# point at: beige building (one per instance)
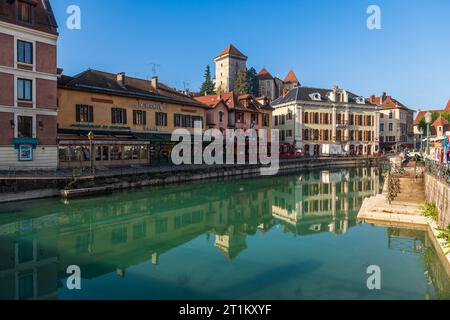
(327, 122)
(228, 64)
(396, 123)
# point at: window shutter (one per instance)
(144, 114)
(91, 114)
(134, 116)
(124, 116)
(78, 118)
(113, 119)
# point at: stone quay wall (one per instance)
(438, 192)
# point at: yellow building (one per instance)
(132, 119)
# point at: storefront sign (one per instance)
(154, 106)
(25, 153)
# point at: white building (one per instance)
(311, 118)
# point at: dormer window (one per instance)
(315, 96)
(25, 12)
(360, 100)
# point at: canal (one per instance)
(284, 237)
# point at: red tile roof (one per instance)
(387, 102)
(232, 51)
(448, 106)
(291, 77)
(244, 102)
(440, 122)
(264, 75)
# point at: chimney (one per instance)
(120, 77)
(155, 83)
(383, 97)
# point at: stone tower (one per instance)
(228, 64)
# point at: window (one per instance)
(84, 113)
(161, 226)
(24, 90)
(83, 242)
(266, 119)
(139, 117)
(118, 116)
(24, 127)
(139, 231)
(239, 117)
(391, 115)
(161, 119)
(24, 52)
(391, 127)
(306, 118)
(254, 118)
(221, 116)
(276, 120)
(382, 127)
(119, 235)
(24, 12)
(290, 115)
(26, 286)
(25, 250)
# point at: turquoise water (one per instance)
(287, 237)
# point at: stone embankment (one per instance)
(108, 180)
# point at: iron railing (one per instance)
(439, 170)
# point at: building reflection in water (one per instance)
(110, 234)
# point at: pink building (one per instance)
(28, 85)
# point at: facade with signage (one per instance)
(132, 119)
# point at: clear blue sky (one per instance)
(326, 42)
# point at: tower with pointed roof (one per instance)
(228, 64)
(291, 81)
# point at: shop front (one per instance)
(108, 151)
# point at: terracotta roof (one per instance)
(244, 102)
(212, 100)
(387, 102)
(264, 75)
(448, 106)
(44, 20)
(440, 122)
(291, 77)
(104, 82)
(232, 51)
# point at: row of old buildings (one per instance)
(46, 116)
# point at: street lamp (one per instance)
(421, 140)
(91, 142)
(428, 119)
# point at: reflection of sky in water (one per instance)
(279, 237)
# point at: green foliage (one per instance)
(444, 234)
(208, 84)
(253, 82)
(242, 86)
(429, 210)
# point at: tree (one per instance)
(208, 84)
(242, 86)
(253, 82)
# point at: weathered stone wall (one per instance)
(438, 193)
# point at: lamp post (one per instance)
(421, 140)
(428, 119)
(91, 140)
